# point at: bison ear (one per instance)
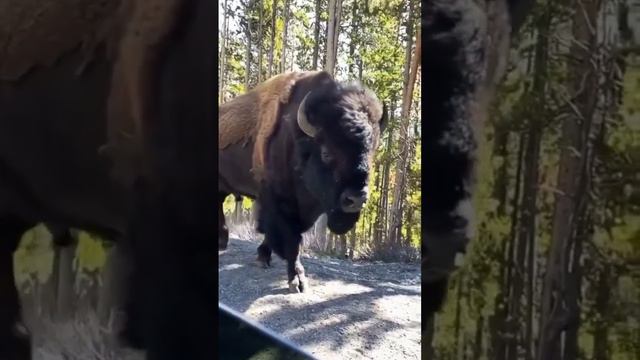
(384, 119)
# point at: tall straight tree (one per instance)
(260, 35)
(272, 44)
(557, 314)
(247, 73)
(316, 36)
(410, 73)
(333, 32)
(283, 60)
(223, 53)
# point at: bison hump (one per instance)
(38, 32)
(255, 115)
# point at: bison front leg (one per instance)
(15, 342)
(223, 231)
(297, 280)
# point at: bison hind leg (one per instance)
(264, 255)
(223, 230)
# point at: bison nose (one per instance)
(352, 201)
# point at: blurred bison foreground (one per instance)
(107, 124)
(302, 145)
(466, 44)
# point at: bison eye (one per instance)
(325, 156)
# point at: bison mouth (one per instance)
(340, 222)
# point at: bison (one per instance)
(107, 124)
(302, 144)
(466, 46)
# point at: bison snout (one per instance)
(352, 201)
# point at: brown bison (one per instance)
(302, 144)
(466, 45)
(107, 124)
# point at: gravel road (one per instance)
(354, 310)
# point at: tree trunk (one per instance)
(353, 36)
(526, 235)
(321, 231)
(477, 343)
(273, 37)
(428, 352)
(457, 322)
(66, 295)
(498, 320)
(333, 29)
(405, 134)
(283, 60)
(557, 312)
(111, 292)
(223, 53)
(260, 35)
(247, 74)
(601, 349)
(53, 284)
(316, 37)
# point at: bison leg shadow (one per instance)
(15, 341)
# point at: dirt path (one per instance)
(353, 311)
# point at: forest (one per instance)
(374, 42)
(554, 271)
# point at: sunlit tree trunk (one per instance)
(223, 54)
(316, 36)
(272, 45)
(283, 59)
(333, 32)
(260, 40)
(247, 74)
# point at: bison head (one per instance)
(338, 127)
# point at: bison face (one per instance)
(340, 127)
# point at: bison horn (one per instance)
(303, 122)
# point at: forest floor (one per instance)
(354, 310)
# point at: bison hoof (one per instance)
(298, 285)
(263, 263)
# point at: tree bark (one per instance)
(111, 291)
(283, 60)
(526, 234)
(247, 74)
(260, 35)
(405, 134)
(557, 312)
(333, 29)
(316, 36)
(223, 53)
(353, 36)
(273, 37)
(66, 279)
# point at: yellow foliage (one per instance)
(90, 253)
